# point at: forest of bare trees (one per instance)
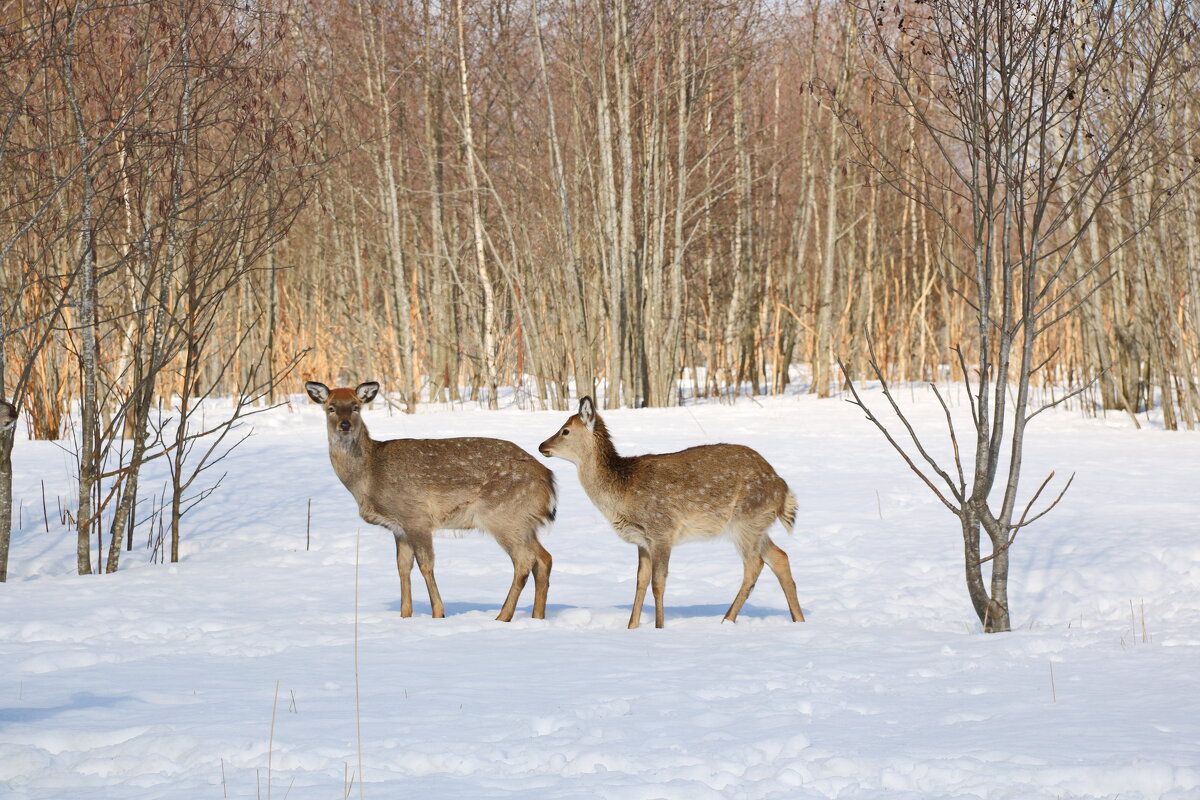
(540, 195)
(644, 201)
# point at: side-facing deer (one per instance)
(413, 487)
(8, 416)
(657, 501)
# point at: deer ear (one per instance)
(587, 413)
(366, 392)
(319, 392)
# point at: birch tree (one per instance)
(1008, 97)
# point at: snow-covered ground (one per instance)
(233, 673)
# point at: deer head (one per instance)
(343, 407)
(577, 437)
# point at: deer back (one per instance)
(452, 483)
(700, 491)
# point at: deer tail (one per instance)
(787, 511)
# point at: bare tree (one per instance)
(106, 252)
(1009, 96)
(29, 46)
(488, 326)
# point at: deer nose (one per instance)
(345, 426)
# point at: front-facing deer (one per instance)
(8, 416)
(658, 501)
(413, 487)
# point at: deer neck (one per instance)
(604, 476)
(350, 457)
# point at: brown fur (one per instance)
(413, 487)
(657, 501)
(8, 416)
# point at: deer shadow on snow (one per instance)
(697, 611)
(458, 609)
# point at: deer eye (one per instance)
(566, 432)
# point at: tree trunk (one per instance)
(992, 609)
(89, 467)
(488, 333)
(6, 476)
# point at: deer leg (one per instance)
(523, 560)
(752, 565)
(658, 580)
(542, 563)
(643, 580)
(422, 546)
(778, 561)
(404, 565)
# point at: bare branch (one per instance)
(962, 482)
(895, 445)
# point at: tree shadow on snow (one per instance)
(78, 702)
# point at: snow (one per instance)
(233, 673)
